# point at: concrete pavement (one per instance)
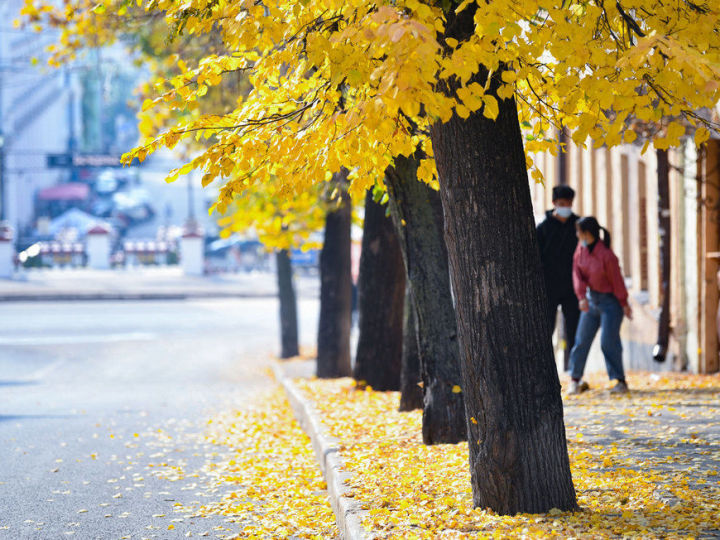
(142, 284)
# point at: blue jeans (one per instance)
(605, 312)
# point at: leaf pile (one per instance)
(268, 483)
(644, 465)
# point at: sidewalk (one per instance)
(142, 284)
(644, 465)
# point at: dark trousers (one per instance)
(571, 314)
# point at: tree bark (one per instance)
(663, 183)
(411, 395)
(417, 214)
(381, 295)
(288, 306)
(518, 451)
(333, 354)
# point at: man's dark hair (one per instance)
(563, 192)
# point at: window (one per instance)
(578, 179)
(625, 217)
(643, 225)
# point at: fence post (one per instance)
(98, 247)
(7, 251)
(192, 252)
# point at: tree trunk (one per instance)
(381, 294)
(411, 394)
(288, 305)
(333, 354)
(663, 183)
(417, 214)
(518, 451)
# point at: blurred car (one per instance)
(106, 183)
(102, 207)
(235, 255)
(133, 206)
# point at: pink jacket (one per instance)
(598, 270)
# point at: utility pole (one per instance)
(2, 169)
(191, 201)
(2, 132)
(99, 101)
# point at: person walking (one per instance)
(603, 300)
(557, 242)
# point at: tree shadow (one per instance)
(17, 383)
(18, 417)
(700, 392)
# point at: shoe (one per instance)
(577, 387)
(620, 387)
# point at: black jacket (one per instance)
(557, 241)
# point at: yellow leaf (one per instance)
(509, 76)
(537, 175)
(491, 109)
(661, 143)
(701, 135)
(456, 389)
(463, 5)
(462, 111)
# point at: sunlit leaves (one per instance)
(645, 465)
(262, 478)
(353, 84)
(280, 222)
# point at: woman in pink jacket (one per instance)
(602, 297)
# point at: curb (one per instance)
(348, 511)
(70, 296)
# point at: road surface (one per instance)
(85, 389)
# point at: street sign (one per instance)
(66, 161)
(59, 161)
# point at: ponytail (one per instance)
(590, 224)
(606, 237)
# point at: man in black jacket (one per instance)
(557, 241)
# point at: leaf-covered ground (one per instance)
(644, 465)
(263, 478)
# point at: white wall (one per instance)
(691, 257)
(33, 115)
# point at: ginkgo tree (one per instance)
(425, 253)
(280, 224)
(359, 85)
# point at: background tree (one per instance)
(411, 395)
(417, 213)
(381, 300)
(333, 345)
(289, 345)
(280, 224)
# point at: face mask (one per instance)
(563, 211)
(584, 243)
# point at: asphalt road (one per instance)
(92, 393)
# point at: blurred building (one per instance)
(620, 187)
(37, 110)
